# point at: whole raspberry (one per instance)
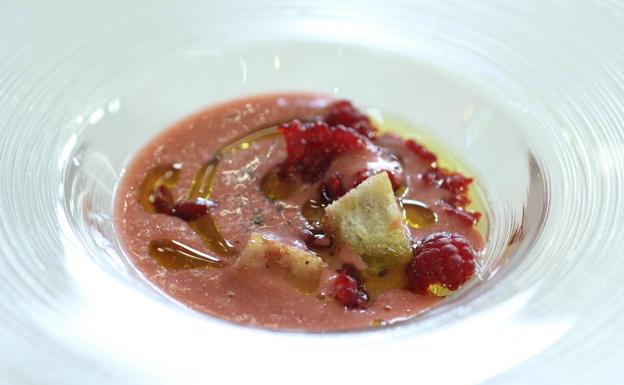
(445, 259)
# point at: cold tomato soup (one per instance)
(294, 212)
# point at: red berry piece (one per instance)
(433, 176)
(454, 182)
(361, 176)
(349, 290)
(443, 259)
(317, 240)
(394, 180)
(162, 199)
(311, 147)
(421, 151)
(332, 189)
(191, 210)
(344, 113)
(366, 173)
(461, 200)
(468, 217)
(346, 289)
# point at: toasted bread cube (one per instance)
(369, 221)
(302, 268)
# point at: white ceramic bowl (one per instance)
(529, 94)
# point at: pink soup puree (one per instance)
(191, 199)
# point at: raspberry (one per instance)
(332, 189)
(162, 199)
(344, 113)
(191, 210)
(468, 217)
(454, 182)
(361, 176)
(311, 147)
(348, 288)
(460, 200)
(366, 173)
(421, 151)
(441, 258)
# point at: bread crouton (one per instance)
(369, 221)
(302, 268)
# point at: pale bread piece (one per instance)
(369, 221)
(303, 268)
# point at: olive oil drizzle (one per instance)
(246, 141)
(313, 211)
(207, 230)
(417, 214)
(275, 187)
(201, 186)
(178, 256)
(175, 255)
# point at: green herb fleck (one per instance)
(258, 220)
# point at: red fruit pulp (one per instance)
(332, 189)
(311, 147)
(346, 289)
(454, 182)
(421, 151)
(469, 217)
(191, 210)
(162, 199)
(344, 113)
(461, 200)
(349, 290)
(366, 173)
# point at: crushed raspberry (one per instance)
(469, 217)
(421, 151)
(332, 189)
(361, 176)
(366, 173)
(311, 147)
(346, 290)
(454, 182)
(441, 258)
(191, 210)
(433, 176)
(349, 290)
(162, 199)
(344, 113)
(461, 200)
